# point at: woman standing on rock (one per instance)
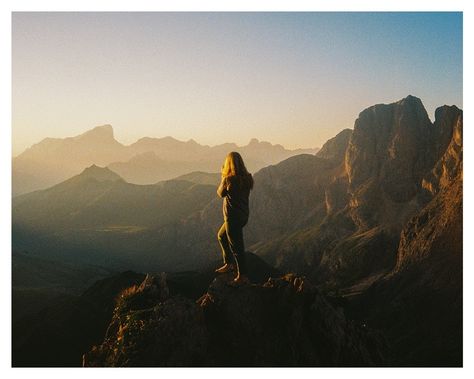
(235, 187)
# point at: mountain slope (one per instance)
(98, 217)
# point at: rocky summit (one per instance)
(282, 322)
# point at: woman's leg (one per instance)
(224, 242)
(235, 238)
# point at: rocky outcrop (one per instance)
(284, 322)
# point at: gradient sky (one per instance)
(289, 78)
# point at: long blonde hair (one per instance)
(234, 166)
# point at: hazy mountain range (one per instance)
(146, 161)
(374, 220)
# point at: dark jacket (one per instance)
(235, 191)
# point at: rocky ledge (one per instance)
(282, 322)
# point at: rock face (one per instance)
(419, 303)
(298, 193)
(284, 322)
(366, 187)
(389, 148)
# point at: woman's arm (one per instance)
(222, 189)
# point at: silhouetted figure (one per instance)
(235, 189)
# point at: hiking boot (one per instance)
(226, 268)
(241, 279)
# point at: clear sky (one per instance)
(289, 78)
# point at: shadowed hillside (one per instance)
(99, 218)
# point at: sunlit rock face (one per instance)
(388, 154)
(358, 194)
(437, 230)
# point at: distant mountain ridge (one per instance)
(146, 161)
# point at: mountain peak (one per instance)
(335, 148)
(101, 132)
(411, 98)
(101, 174)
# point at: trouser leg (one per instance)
(224, 243)
(235, 237)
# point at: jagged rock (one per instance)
(435, 234)
(335, 148)
(448, 126)
(284, 322)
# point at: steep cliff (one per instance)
(367, 185)
(418, 304)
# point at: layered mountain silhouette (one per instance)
(146, 161)
(373, 220)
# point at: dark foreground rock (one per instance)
(283, 322)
